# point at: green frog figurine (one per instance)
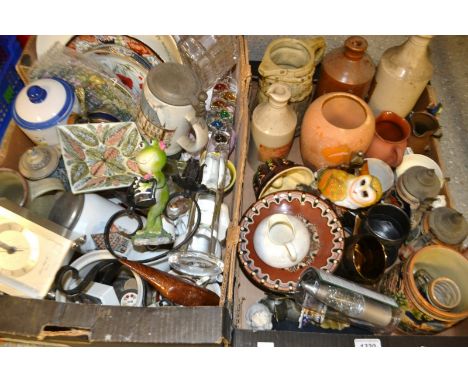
(151, 160)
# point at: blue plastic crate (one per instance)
(10, 83)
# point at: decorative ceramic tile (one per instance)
(100, 156)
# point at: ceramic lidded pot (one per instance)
(390, 139)
(335, 126)
(418, 184)
(44, 104)
(280, 174)
(420, 315)
(347, 69)
(170, 104)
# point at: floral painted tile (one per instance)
(100, 156)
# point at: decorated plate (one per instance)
(154, 48)
(129, 67)
(100, 156)
(326, 234)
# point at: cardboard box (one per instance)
(80, 324)
(243, 293)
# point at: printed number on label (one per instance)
(367, 343)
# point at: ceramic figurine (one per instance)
(349, 191)
(151, 160)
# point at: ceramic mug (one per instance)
(41, 187)
(364, 260)
(390, 139)
(423, 126)
(281, 241)
(169, 108)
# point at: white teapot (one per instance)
(281, 241)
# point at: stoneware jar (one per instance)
(335, 126)
(44, 104)
(420, 316)
(273, 125)
(390, 139)
(347, 69)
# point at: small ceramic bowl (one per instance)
(412, 160)
(382, 171)
(279, 175)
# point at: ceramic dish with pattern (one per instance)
(129, 67)
(326, 234)
(154, 48)
(100, 156)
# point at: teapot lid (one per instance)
(43, 103)
(38, 162)
(448, 225)
(174, 84)
(421, 182)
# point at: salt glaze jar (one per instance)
(335, 126)
(402, 74)
(390, 139)
(422, 315)
(273, 124)
(347, 69)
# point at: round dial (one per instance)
(19, 249)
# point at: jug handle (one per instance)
(317, 45)
(201, 136)
(291, 251)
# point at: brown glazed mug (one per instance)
(390, 139)
(423, 126)
(364, 260)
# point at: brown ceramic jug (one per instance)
(423, 126)
(347, 69)
(335, 126)
(390, 139)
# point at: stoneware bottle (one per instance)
(402, 74)
(335, 126)
(347, 69)
(273, 124)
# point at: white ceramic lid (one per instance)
(43, 103)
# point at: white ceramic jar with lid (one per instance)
(42, 105)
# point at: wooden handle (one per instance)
(174, 288)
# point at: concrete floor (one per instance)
(449, 56)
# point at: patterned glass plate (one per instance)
(100, 156)
(326, 233)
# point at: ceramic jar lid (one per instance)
(43, 103)
(174, 84)
(67, 210)
(421, 182)
(38, 162)
(448, 225)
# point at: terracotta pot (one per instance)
(390, 139)
(419, 316)
(335, 126)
